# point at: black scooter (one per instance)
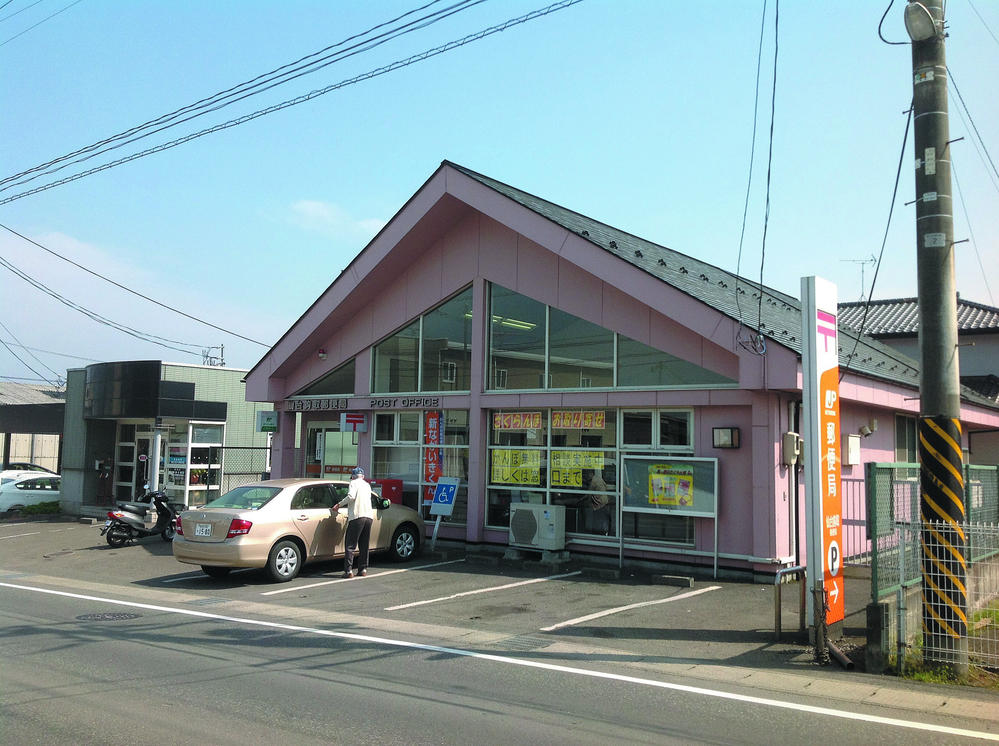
(150, 514)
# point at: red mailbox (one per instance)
(391, 488)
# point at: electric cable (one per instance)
(974, 127)
(881, 36)
(6, 4)
(93, 315)
(58, 354)
(17, 12)
(40, 22)
(770, 157)
(983, 22)
(28, 350)
(391, 67)
(129, 290)
(749, 184)
(884, 241)
(214, 102)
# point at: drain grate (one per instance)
(526, 642)
(108, 616)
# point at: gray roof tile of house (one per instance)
(740, 299)
(899, 317)
(28, 393)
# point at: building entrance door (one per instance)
(330, 454)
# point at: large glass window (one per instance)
(432, 353)
(517, 341)
(447, 345)
(641, 365)
(581, 354)
(338, 381)
(534, 346)
(395, 361)
(420, 447)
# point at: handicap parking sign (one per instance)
(444, 495)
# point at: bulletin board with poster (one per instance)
(674, 485)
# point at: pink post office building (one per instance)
(592, 392)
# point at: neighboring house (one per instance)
(492, 336)
(31, 423)
(118, 413)
(895, 321)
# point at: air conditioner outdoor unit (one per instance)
(537, 526)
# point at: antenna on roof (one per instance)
(863, 263)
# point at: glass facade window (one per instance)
(534, 346)
(338, 381)
(447, 345)
(420, 447)
(517, 341)
(395, 361)
(581, 354)
(432, 353)
(637, 429)
(675, 429)
(644, 366)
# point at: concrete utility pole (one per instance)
(941, 474)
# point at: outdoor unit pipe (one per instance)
(839, 656)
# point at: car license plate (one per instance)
(203, 529)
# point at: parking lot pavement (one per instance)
(522, 604)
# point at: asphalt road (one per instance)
(121, 646)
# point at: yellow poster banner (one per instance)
(577, 459)
(516, 467)
(671, 485)
(579, 419)
(516, 420)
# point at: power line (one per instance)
(40, 22)
(882, 23)
(57, 354)
(161, 341)
(770, 158)
(971, 232)
(129, 290)
(236, 93)
(974, 127)
(7, 329)
(391, 67)
(17, 12)
(983, 22)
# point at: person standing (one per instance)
(359, 517)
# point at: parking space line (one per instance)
(14, 536)
(371, 575)
(482, 590)
(197, 575)
(619, 609)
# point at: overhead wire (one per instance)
(391, 67)
(749, 184)
(28, 350)
(770, 158)
(884, 242)
(57, 382)
(130, 290)
(18, 12)
(36, 25)
(971, 121)
(881, 36)
(983, 22)
(971, 232)
(93, 315)
(58, 354)
(243, 90)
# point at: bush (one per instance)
(41, 509)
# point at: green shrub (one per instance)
(41, 509)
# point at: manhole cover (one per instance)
(109, 616)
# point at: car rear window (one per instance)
(244, 498)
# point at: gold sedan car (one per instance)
(280, 524)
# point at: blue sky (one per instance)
(636, 113)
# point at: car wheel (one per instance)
(215, 572)
(285, 561)
(118, 536)
(405, 542)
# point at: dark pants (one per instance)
(356, 541)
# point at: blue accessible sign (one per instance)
(444, 495)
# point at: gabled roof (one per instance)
(745, 301)
(899, 317)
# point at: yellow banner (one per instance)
(571, 478)
(579, 420)
(516, 420)
(671, 484)
(516, 467)
(578, 459)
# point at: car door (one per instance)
(314, 519)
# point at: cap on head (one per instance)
(357, 471)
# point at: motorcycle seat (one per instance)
(139, 509)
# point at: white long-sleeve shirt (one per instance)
(358, 500)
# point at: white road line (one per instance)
(510, 661)
(347, 580)
(619, 609)
(14, 536)
(482, 590)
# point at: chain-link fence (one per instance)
(909, 579)
(244, 464)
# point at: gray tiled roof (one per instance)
(28, 393)
(779, 314)
(900, 317)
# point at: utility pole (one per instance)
(941, 474)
